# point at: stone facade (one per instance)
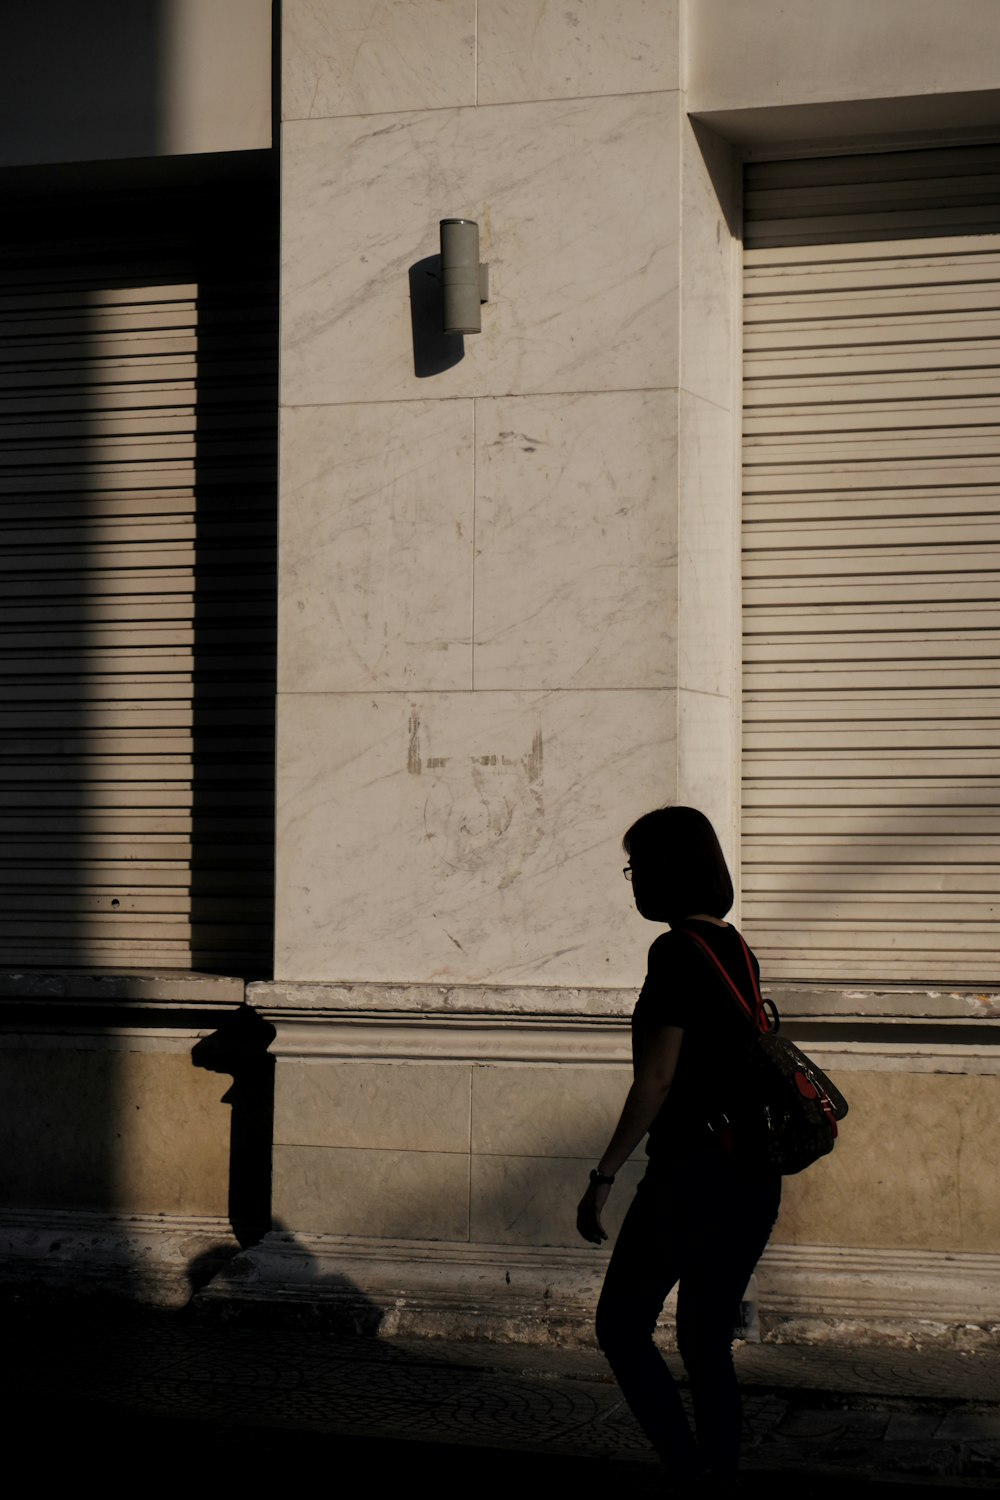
(509, 624)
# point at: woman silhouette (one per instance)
(704, 1209)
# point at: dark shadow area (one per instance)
(243, 1400)
(50, 832)
(138, 434)
(723, 167)
(235, 594)
(915, 1033)
(433, 350)
(138, 508)
(874, 197)
(83, 80)
(239, 1048)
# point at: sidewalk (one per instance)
(196, 1394)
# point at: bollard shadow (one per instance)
(310, 1294)
(433, 350)
(239, 1049)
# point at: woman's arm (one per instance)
(643, 1103)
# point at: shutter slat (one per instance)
(889, 708)
(870, 834)
(852, 363)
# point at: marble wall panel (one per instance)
(708, 767)
(358, 57)
(560, 1110)
(881, 1187)
(708, 549)
(709, 645)
(576, 505)
(389, 1106)
(376, 547)
(559, 49)
(421, 1195)
(532, 1200)
(465, 836)
(577, 203)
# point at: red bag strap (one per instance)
(758, 1015)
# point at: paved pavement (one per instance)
(203, 1398)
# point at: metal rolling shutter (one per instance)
(137, 504)
(871, 567)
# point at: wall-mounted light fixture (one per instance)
(465, 283)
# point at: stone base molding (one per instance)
(806, 1293)
(421, 1288)
(812, 1293)
(155, 1259)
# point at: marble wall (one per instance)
(509, 624)
(483, 678)
(496, 1154)
(465, 836)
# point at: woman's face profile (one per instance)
(648, 891)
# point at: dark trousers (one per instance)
(701, 1222)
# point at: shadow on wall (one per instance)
(330, 1298)
(433, 350)
(239, 1049)
(63, 87)
(138, 513)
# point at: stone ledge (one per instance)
(441, 999)
(885, 1003)
(807, 1002)
(807, 1293)
(457, 1038)
(815, 1293)
(134, 986)
(432, 1289)
(157, 1259)
(421, 1288)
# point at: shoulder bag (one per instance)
(788, 1108)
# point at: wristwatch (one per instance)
(601, 1178)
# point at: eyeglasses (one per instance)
(627, 872)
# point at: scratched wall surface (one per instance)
(510, 624)
(479, 538)
(465, 837)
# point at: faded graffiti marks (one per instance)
(483, 813)
(413, 761)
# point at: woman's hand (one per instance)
(588, 1215)
(643, 1103)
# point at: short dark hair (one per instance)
(683, 853)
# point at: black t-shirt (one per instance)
(683, 988)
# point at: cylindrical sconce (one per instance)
(463, 279)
